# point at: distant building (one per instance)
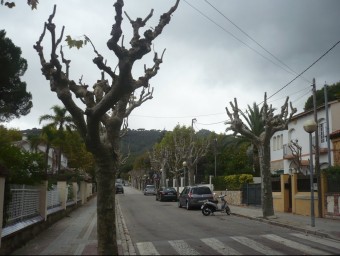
(25, 144)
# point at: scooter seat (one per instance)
(213, 201)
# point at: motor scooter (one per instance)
(209, 206)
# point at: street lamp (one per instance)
(184, 167)
(310, 127)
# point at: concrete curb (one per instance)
(124, 242)
(276, 223)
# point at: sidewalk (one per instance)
(324, 227)
(75, 234)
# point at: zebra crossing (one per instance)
(268, 244)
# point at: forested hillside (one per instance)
(138, 141)
(135, 141)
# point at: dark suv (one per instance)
(194, 196)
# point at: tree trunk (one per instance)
(191, 175)
(163, 176)
(266, 185)
(59, 159)
(106, 218)
(47, 150)
(256, 162)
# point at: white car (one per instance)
(150, 190)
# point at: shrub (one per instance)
(219, 183)
(236, 181)
(333, 171)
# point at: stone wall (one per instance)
(233, 197)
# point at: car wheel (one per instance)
(179, 204)
(188, 205)
(161, 199)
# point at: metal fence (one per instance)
(251, 194)
(303, 184)
(24, 203)
(53, 198)
(333, 184)
(276, 184)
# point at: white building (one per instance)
(25, 144)
(282, 148)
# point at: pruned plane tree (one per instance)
(272, 123)
(107, 105)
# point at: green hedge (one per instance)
(236, 181)
(231, 182)
(219, 183)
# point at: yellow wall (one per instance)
(277, 202)
(303, 203)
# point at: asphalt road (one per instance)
(164, 229)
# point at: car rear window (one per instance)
(201, 190)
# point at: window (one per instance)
(274, 143)
(322, 131)
(291, 135)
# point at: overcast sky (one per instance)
(216, 50)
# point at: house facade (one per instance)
(52, 161)
(290, 148)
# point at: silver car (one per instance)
(150, 190)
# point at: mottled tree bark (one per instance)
(266, 185)
(106, 230)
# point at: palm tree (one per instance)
(59, 121)
(48, 135)
(253, 117)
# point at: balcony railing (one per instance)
(287, 152)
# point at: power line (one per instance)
(305, 69)
(220, 113)
(170, 117)
(231, 34)
(212, 123)
(292, 71)
(302, 90)
(297, 76)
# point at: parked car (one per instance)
(119, 188)
(194, 196)
(166, 194)
(150, 190)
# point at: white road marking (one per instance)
(219, 246)
(256, 246)
(146, 248)
(183, 248)
(298, 246)
(324, 241)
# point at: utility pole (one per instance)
(190, 171)
(192, 123)
(215, 151)
(317, 154)
(327, 127)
